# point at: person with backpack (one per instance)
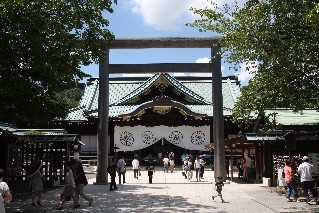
(80, 181)
(111, 169)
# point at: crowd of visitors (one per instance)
(75, 179)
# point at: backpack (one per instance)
(110, 169)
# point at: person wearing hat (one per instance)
(4, 191)
(305, 170)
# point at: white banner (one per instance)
(139, 137)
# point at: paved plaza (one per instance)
(169, 192)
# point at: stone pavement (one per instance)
(170, 192)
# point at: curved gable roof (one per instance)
(160, 82)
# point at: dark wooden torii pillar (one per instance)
(141, 43)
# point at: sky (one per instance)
(160, 18)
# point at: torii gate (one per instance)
(106, 68)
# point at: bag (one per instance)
(183, 173)
(139, 173)
(86, 182)
(109, 169)
(283, 174)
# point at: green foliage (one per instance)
(71, 97)
(279, 39)
(43, 45)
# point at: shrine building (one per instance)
(153, 115)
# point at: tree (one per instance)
(279, 39)
(43, 45)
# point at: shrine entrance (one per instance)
(106, 68)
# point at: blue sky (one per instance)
(159, 18)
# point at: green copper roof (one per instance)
(196, 93)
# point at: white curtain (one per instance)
(139, 137)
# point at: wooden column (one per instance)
(218, 118)
(103, 119)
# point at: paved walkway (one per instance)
(170, 192)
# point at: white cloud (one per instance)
(203, 60)
(244, 76)
(169, 15)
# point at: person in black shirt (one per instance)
(111, 169)
(80, 181)
(218, 187)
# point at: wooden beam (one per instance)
(161, 68)
(165, 42)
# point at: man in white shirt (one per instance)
(136, 167)
(121, 169)
(305, 170)
(165, 160)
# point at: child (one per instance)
(218, 187)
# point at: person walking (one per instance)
(5, 192)
(219, 187)
(80, 181)
(166, 161)
(36, 182)
(305, 170)
(111, 169)
(190, 166)
(121, 169)
(150, 171)
(69, 186)
(185, 168)
(290, 181)
(136, 167)
(202, 168)
(171, 161)
(197, 168)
